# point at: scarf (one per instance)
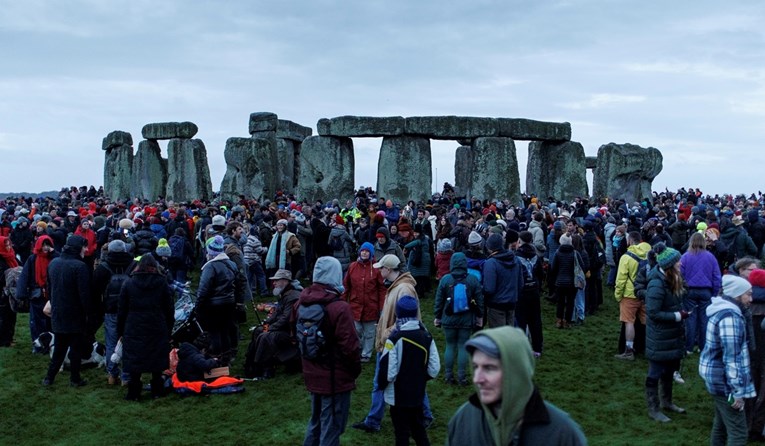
(8, 254)
(42, 260)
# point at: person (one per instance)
(181, 255)
(458, 326)
(630, 307)
(507, 408)
(193, 361)
(32, 285)
(409, 360)
(665, 333)
(419, 259)
(253, 252)
(84, 231)
(21, 238)
(444, 254)
(341, 242)
(284, 245)
(702, 276)
(70, 299)
(332, 379)
(724, 362)
(219, 291)
(144, 322)
(385, 245)
(562, 272)
(528, 310)
(7, 315)
(274, 341)
(365, 292)
(502, 283)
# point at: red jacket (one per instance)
(364, 291)
(90, 236)
(442, 263)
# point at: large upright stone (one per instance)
(188, 175)
(169, 130)
(463, 171)
(626, 171)
(528, 129)
(286, 163)
(450, 127)
(361, 126)
(495, 170)
(326, 169)
(250, 168)
(118, 165)
(556, 170)
(404, 169)
(149, 171)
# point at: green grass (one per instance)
(577, 373)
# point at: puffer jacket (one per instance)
(218, 284)
(608, 233)
(562, 268)
(701, 270)
(422, 244)
(145, 242)
(458, 267)
(114, 263)
(665, 335)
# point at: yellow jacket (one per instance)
(627, 271)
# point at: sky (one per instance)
(686, 77)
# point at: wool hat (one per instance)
(558, 225)
(163, 248)
(219, 220)
(444, 245)
(390, 261)
(666, 257)
(404, 227)
(382, 231)
(116, 246)
(282, 221)
(734, 286)
(701, 226)
(214, 245)
(76, 241)
(757, 278)
(42, 224)
(339, 220)
(126, 223)
(406, 307)
(474, 238)
(737, 220)
(282, 274)
(565, 239)
(495, 243)
(366, 246)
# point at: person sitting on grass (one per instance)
(193, 361)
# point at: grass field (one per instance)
(577, 373)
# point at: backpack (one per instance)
(11, 281)
(177, 244)
(457, 302)
(530, 281)
(111, 295)
(312, 341)
(642, 264)
(336, 243)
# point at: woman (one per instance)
(562, 275)
(665, 334)
(579, 303)
(7, 315)
(419, 259)
(445, 228)
(365, 292)
(701, 273)
(144, 322)
(32, 286)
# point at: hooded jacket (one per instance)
(444, 294)
(627, 271)
(665, 335)
(364, 288)
(502, 280)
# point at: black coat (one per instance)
(144, 321)
(69, 291)
(664, 336)
(219, 284)
(562, 269)
(192, 363)
(115, 263)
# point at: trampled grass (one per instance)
(577, 373)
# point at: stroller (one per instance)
(186, 327)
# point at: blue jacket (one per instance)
(701, 270)
(502, 280)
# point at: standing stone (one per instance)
(495, 170)
(626, 171)
(285, 163)
(188, 175)
(250, 168)
(149, 171)
(118, 165)
(405, 170)
(556, 170)
(326, 169)
(169, 130)
(463, 171)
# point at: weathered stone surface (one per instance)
(450, 127)
(286, 162)
(188, 174)
(465, 141)
(293, 131)
(463, 171)
(169, 130)
(250, 168)
(591, 161)
(556, 170)
(626, 171)
(361, 126)
(528, 129)
(117, 138)
(495, 169)
(263, 122)
(118, 169)
(326, 168)
(404, 169)
(149, 171)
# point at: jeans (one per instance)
(455, 342)
(578, 305)
(729, 425)
(110, 335)
(329, 415)
(611, 281)
(255, 270)
(38, 322)
(696, 302)
(377, 411)
(366, 332)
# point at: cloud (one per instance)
(601, 100)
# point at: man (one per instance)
(724, 362)
(507, 408)
(332, 379)
(502, 283)
(273, 341)
(401, 284)
(69, 291)
(22, 239)
(630, 307)
(284, 245)
(385, 246)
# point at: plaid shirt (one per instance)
(724, 363)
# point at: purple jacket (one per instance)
(701, 270)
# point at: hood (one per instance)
(328, 271)
(337, 231)
(720, 303)
(641, 249)
(458, 264)
(39, 243)
(507, 258)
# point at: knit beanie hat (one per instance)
(219, 220)
(734, 286)
(116, 246)
(163, 248)
(282, 221)
(126, 223)
(757, 278)
(366, 246)
(474, 238)
(558, 225)
(565, 239)
(495, 243)
(76, 241)
(444, 245)
(666, 257)
(214, 245)
(701, 227)
(406, 307)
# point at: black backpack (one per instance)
(177, 244)
(310, 333)
(111, 295)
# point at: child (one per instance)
(193, 361)
(409, 360)
(443, 257)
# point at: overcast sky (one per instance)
(686, 77)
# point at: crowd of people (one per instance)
(682, 264)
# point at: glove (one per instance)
(437, 322)
(684, 315)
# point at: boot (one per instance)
(666, 396)
(628, 355)
(652, 400)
